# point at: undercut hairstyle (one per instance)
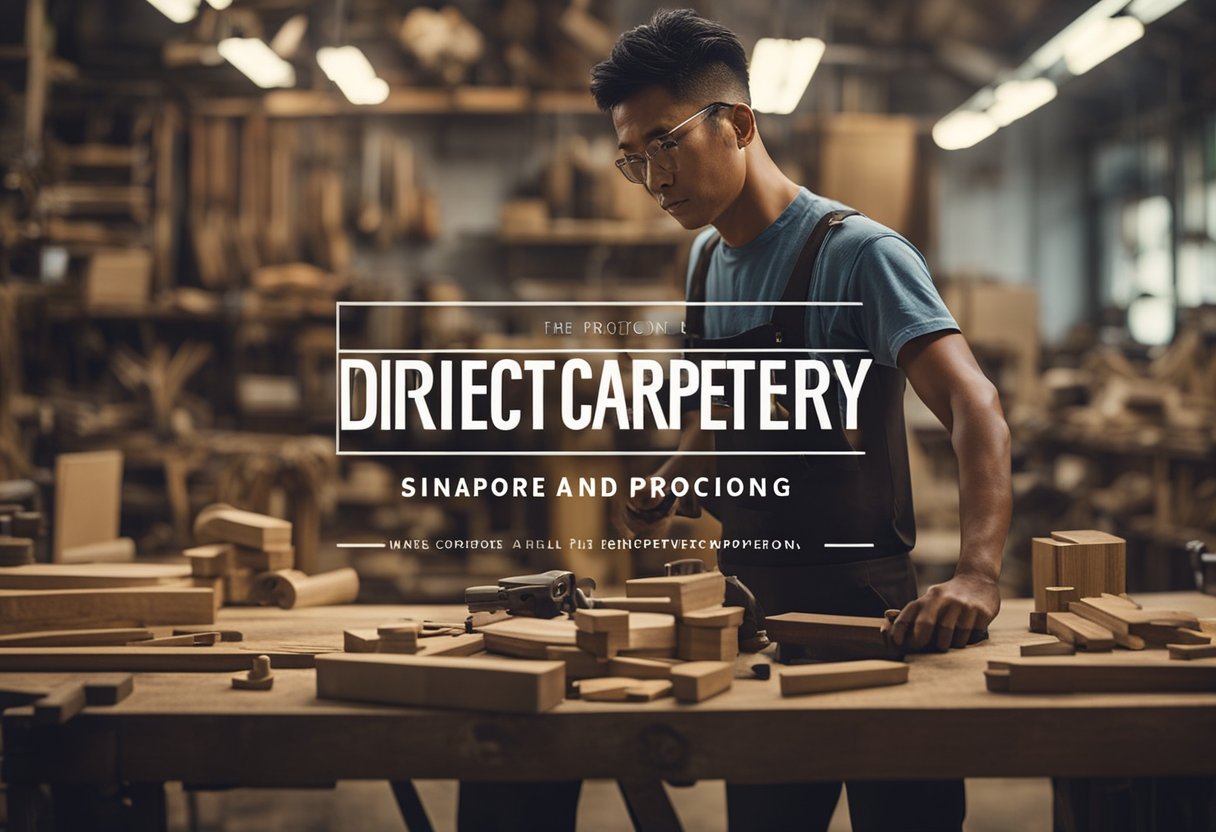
(694, 59)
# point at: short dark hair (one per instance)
(690, 57)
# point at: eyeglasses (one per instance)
(661, 150)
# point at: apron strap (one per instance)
(790, 321)
(694, 316)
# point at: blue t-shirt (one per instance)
(862, 260)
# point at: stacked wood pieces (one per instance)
(710, 634)
(1091, 562)
(833, 637)
(489, 684)
(407, 637)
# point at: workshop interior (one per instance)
(339, 361)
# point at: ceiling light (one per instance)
(254, 58)
(1100, 39)
(1146, 11)
(963, 128)
(1014, 99)
(179, 11)
(781, 71)
(350, 69)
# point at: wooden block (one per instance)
(684, 592)
(637, 667)
(118, 278)
(16, 551)
(714, 617)
(821, 678)
(225, 635)
(211, 561)
(1119, 628)
(88, 490)
(61, 704)
(1044, 569)
(648, 690)
(698, 681)
(603, 645)
(465, 644)
(1059, 597)
(1187, 652)
(720, 644)
(1081, 632)
(602, 621)
(138, 659)
(259, 677)
(240, 586)
(580, 664)
(1160, 635)
(1110, 551)
(398, 638)
(1055, 647)
(1038, 621)
(113, 636)
(92, 575)
(651, 632)
(291, 589)
(23, 610)
(527, 638)
(833, 636)
(205, 639)
(605, 689)
(360, 641)
(655, 605)
(118, 550)
(108, 689)
(222, 523)
(1106, 675)
(1139, 626)
(488, 684)
(271, 560)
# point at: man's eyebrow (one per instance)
(653, 134)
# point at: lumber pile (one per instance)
(1091, 562)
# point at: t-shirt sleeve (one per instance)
(899, 300)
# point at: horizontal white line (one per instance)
(459, 303)
(360, 545)
(848, 545)
(591, 453)
(542, 350)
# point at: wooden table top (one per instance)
(944, 723)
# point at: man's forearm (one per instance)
(981, 444)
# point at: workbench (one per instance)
(194, 728)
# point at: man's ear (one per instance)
(743, 123)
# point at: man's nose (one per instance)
(656, 178)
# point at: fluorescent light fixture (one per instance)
(1146, 11)
(179, 11)
(259, 63)
(1014, 99)
(780, 71)
(1098, 40)
(219, 5)
(350, 69)
(962, 129)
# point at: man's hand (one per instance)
(946, 615)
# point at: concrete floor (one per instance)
(1022, 805)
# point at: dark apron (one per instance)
(833, 498)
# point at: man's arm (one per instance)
(642, 513)
(944, 373)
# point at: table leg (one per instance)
(412, 811)
(649, 807)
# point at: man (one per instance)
(677, 91)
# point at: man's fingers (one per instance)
(888, 621)
(945, 626)
(966, 623)
(922, 630)
(903, 622)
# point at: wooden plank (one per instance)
(91, 575)
(360, 641)
(602, 621)
(714, 617)
(118, 550)
(1081, 632)
(269, 560)
(140, 659)
(465, 644)
(648, 690)
(1044, 568)
(224, 635)
(655, 605)
(108, 689)
(583, 665)
(1186, 652)
(401, 637)
(1119, 628)
(603, 645)
(114, 636)
(718, 644)
(1056, 675)
(605, 689)
(61, 704)
(698, 681)
(526, 637)
(638, 667)
(63, 609)
(685, 593)
(292, 589)
(204, 639)
(88, 490)
(212, 560)
(478, 684)
(833, 636)
(1054, 647)
(222, 523)
(832, 676)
